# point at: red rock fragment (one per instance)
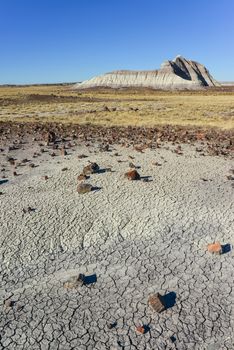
(215, 248)
(140, 329)
(132, 175)
(200, 136)
(139, 149)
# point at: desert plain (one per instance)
(130, 239)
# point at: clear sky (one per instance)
(45, 41)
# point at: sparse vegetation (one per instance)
(106, 107)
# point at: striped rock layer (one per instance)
(179, 73)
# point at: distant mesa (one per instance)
(179, 73)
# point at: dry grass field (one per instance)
(106, 107)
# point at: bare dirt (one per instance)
(129, 240)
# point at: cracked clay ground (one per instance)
(138, 237)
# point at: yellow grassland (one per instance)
(107, 107)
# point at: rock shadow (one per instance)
(173, 339)
(146, 328)
(169, 300)
(104, 170)
(96, 189)
(100, 171)
(3, 181)
(90, 279)
(146, 178)
(226, 248)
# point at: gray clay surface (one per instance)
(138, 237)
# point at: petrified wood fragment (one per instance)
(132, 175)
(156, 302)
(84, 188)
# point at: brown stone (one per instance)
(200, 136)
(156, 302)
(81, 156)
(92, 168)
(63, 151)
(104, 148)
(112, 325)
(74, 281)
(50, 137)
(82, 177)
(131, 165)
(140, 329)
(132, 175)
(8, 303)
(28, 210)
(139, 149)
(178, 150)
(215, 248)
(84, 188)
(12, 161)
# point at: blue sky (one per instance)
(45, 41)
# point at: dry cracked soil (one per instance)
(136, 237)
